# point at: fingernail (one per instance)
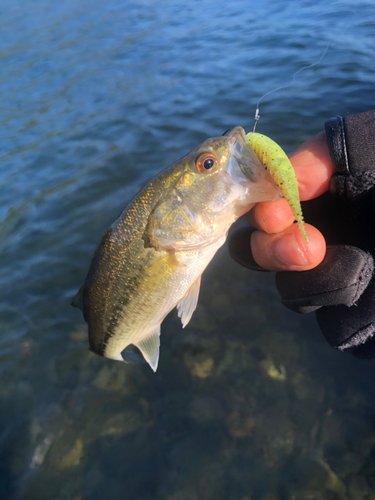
(290, 253)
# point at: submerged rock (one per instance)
(200, 366)
(114, 377)
(239, 426)
(205, 409)
(74, 455)
(40, 452)
(124, 423)
(313, 478)
(272, 371)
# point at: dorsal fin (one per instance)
(77, 301)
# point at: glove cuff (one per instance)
(351, 142)
(334, 128)
(350, 332)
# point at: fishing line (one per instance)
(257, 115)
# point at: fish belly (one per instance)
(162, 286)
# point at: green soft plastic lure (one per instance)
(277, 164)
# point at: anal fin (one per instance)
(149, 347)
(188, 303)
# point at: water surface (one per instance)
(248, 402)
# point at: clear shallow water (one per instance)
(248, 401)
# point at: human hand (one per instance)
(337, 281)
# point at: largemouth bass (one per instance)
(152, 257)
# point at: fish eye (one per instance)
(205, 162)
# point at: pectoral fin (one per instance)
(149, 347)
(188, 303)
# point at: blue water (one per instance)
(97, 97)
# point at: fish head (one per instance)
(213, 185)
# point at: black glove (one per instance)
(342, 288)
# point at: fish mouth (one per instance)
(246, 170)
(243, 164)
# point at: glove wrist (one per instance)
(351, 143)
(334, 128)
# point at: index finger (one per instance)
(313, 167)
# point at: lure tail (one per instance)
(277, 164)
